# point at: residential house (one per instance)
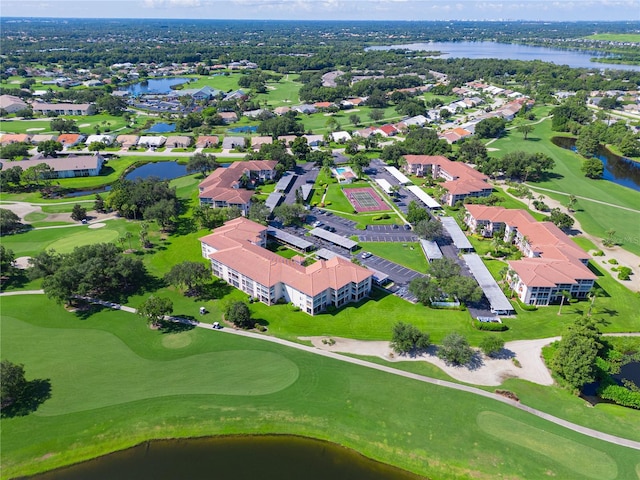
(324, 105)
(257, 142)
(228, 117)
(63, 108)
(235, 95)
(314, 140)
(552, 262)
(353, 102)
(365, 132)
(287, 139)
(260, 113)
(340, 137)
(178, 141)
(12, 104)
(67, 167)
(207, 141)
(281, 110)
(304, 108)
(230, 143)
(461, 180)
(106, 139)
(69, 140)
(238, 256)
(199, 94)
(228, 186)
(9, 138)
(127, 141)
(455, 135)
(42, 137)
(151, 141)
(387, 130)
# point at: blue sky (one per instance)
(550, 10)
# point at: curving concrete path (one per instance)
(590, 432)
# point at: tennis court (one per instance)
(364, 199)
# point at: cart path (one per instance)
(393, 371)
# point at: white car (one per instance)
(366, 254)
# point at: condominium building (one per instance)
(238, 256)
(552, 263)
(461, 180)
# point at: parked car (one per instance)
(317, 223)
(366, 254)
(395, 227)
(406, 226)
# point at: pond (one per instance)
(155, 86)
(243, 130)
(162, 170)
(617, 169)
(510, 51)
(162, 128)
(247, 457)
(631, 372)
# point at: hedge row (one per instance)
(620, 395)
(490, 326)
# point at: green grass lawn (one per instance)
(282, 93)
(595, 218)
(202, 382)
(86, 123)
(615, 37)
(408, 254)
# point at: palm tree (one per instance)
(593, 294)
(563, 294)
(128, 236)
(572, 202)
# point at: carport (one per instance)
(331, 237)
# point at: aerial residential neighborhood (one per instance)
(351, 249)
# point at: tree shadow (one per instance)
(18, 279)
(504, 354)
(84, 310)
(261, 321)
(182, 323)
(212, 291)
(35, 393)
(475, 362)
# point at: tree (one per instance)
(9, 222)
(99, 205)
(592, 168)
(472, 150)
(300, 148)
(62, 125)
(561, 220)
(259, 212)
(202, 163)
(154, 309)
(444, 268)
(573, 200)
(564, 294)
(490, 127)
(96, 146)
(164, 212)
(376, 114)
(610, 240)
(587, 143)
(575, 357)
(425, 289)
(190, 275)
(465, 289)
(112, 105)
(239, 314)
(144, 235)
(455, 349)
(14, 150)
(354, 119)
(491, 345)
(7, 257)
(49, 148)
(290, 214)
(78, 213)
(12, 383)
(416, 213)
(407, 338)
(525, 129)
(428, 229)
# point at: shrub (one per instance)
(618, 394)
(328, 203)
(598, 253)
(489, 326)
(624, 273)
(529, 308)
(516, 362)
(613, 261)
(491, 345)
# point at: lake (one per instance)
(617, 169)
(163, 170)
(269, 457)
(155, 86)
(510, 51)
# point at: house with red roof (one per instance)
(552, 263)
(387, 130)
(232, 186)
(238, 256)
(461, 180)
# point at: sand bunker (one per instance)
(35, 129)
(22, 262)
(97, 225)
(83, 125)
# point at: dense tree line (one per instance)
(149, 198)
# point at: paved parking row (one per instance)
(397, 273)
(389, 237)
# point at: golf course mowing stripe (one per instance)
(586, 461)
(96, 382)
